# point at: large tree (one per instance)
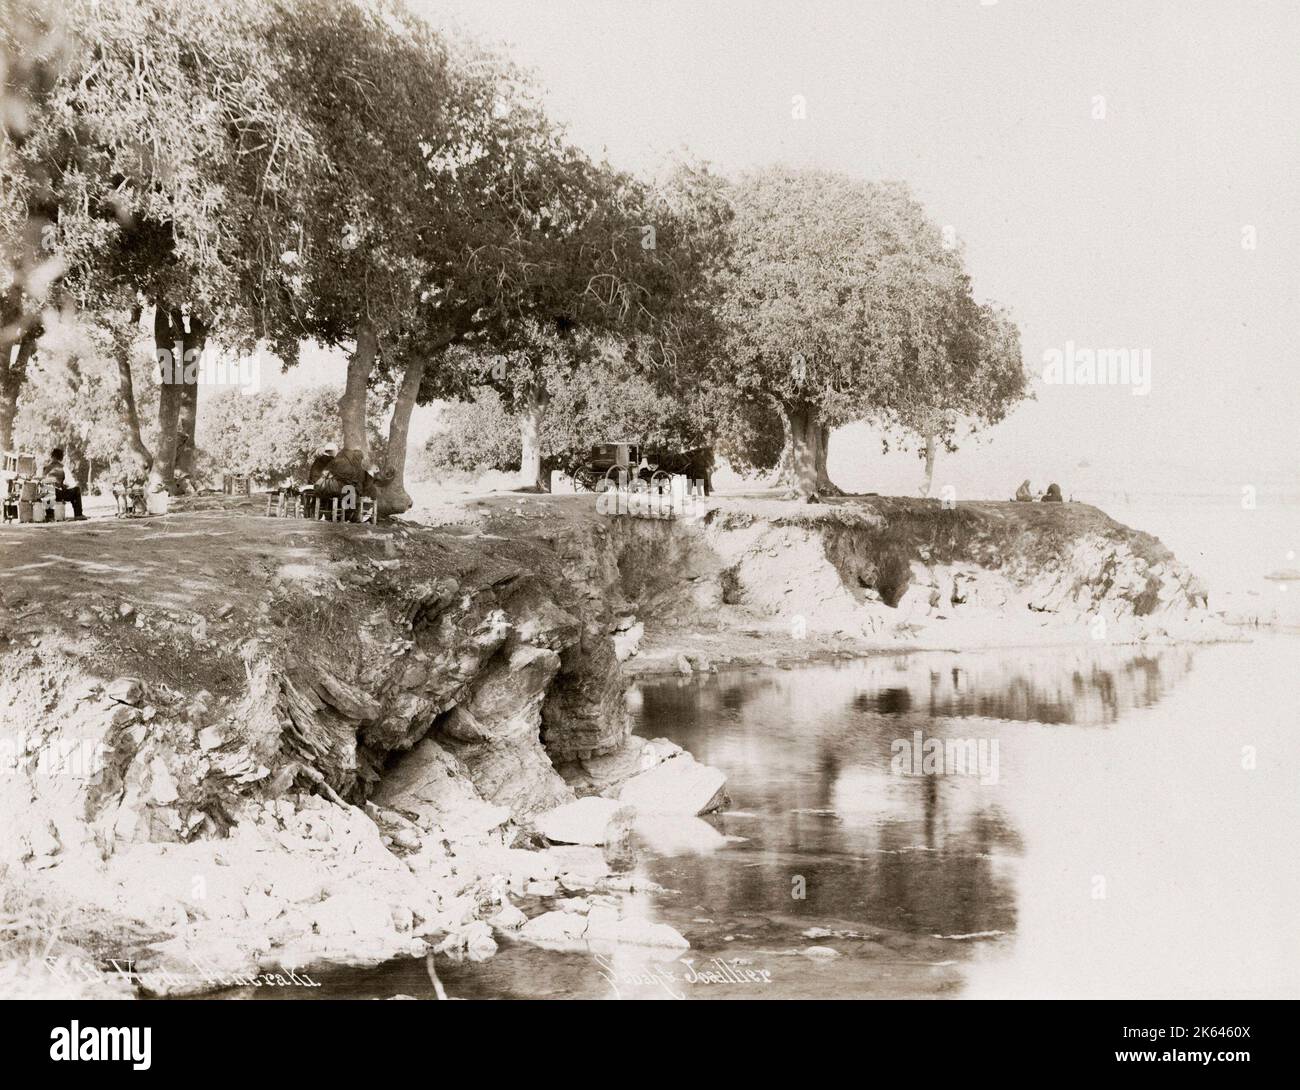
(615, 274)
(33, 52)
(610, 399)
(171, 159)
(973, 375)
(69, 400)
(836, 297)
(270, 434)
(390, 265)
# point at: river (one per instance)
(1124, 826)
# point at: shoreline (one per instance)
(295, 784)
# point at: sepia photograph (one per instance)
(649, 500)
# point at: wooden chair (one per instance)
(333, 509)
(9, 499)
(130, 500)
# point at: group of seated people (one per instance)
(337, 474)
(22, 484)
(1052, 495)
(56, 474)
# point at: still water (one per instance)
(1125, 826)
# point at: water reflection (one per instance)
(833, 874)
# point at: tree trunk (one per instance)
(193, 341)
(391, 497)
(804, 460)
(929, 465)
(8, 407)
(804, 448)
(783, 474)
(825, 485)
(166, 331)
(12, 374)
(531, 413)
(122, 343)
(352, 405)
(13, 365)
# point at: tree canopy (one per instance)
(249, 175)
(842, 303)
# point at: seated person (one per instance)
(344, 476)
(56, 475)
(1053, 493)
(1022, 493)
(321, 461)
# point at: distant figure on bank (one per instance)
(1023, 494)
(1053, 493)
(56, 475)
(327, 454)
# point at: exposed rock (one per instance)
(356, 911)
(509, 918)
(125, 690)
(348, 699)
(554, 927)
(680, 785)
(432, 783)
(581, 905)
(592, 820)
(211, 738)
(579, 867)
(628, 641)
(604, 926)
(821, 952)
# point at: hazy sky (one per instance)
(1120, 231)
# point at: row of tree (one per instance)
(243, 175)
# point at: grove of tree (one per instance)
(186, 178)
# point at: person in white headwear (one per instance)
(319, 464)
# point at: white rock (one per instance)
(509, 918)
(579, 867)
(356, 912)
(628, 642)
(479, 942)
(586, 821)
(825, 952)
(554, 927)
(211, 738)
(680, 785)
(163, 784)
(260, 908)
(657, 750)
(604, 926)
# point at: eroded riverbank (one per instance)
(1104, 859)
(248, 744)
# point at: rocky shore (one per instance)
(242, 747)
